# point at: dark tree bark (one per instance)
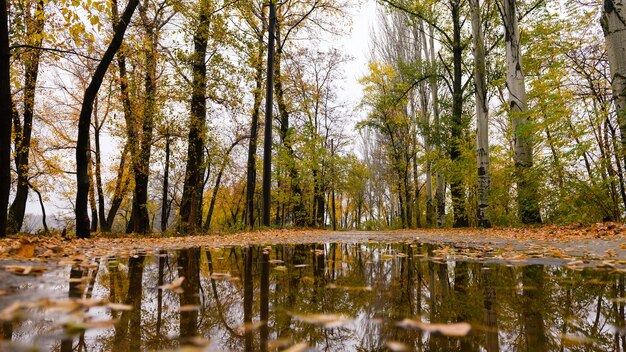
(5, 117)
(43, 208)
(192, 189)
(132, 144)
(457, 189)
(98, 168)
(141, 165)
(22, 138)
(269, 97)
(82, 145)
(254, 128)
(166, 176)
(299, 212)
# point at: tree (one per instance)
(5, 116)
(614, 28)
(31, 58)
(190, 212)
(482, 114)
(527, 192)
(267, 143)
(84, 123)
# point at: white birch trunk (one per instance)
(482, 115)
(614, 26)
(527, 197)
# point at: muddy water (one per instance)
(317, 297)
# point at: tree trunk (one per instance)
(457, 189)
(22, 147)
(121, 186)
(166, 176)
(614, 28)
(43, 209)
(254, 127)
(527, 192)
(269, 97)
(92, 195)
(192, 189)
(6, 113)
(482, 115)
(82, 144)
(141, 165)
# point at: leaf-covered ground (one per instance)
(602, 241)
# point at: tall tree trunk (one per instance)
(141, 165)
(269, 97)
(132, 141)
(35, 25)
(614, 27)
(43, 208)
(92, 195)
(457, 189)
(192, 189)
(6, 112)
(482, 115)
(440, 196)
(98, 171)
(121, 186)
(527, 191)
(254, 128)
(166, 180)
(82, 144)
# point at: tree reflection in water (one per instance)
(255, 298)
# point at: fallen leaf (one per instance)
(249, 327)
(174, 285)
(327, 320)
(454, 329)
(119, 306)
(189, 308)
(397, 346)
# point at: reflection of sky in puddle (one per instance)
(370, 288)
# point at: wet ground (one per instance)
(354, 292)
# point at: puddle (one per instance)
(326, 297)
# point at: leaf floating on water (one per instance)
(397, 346)
(10, 312)
(329, 321)
(219, 276)
(454, 329)
(119, 306)
(189, 308)
(576, 340)
(249, 327)
(280, 268)
(75, 328)
(299, 347)
(25, 270)
(174, 285)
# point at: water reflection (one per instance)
(331, 297)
